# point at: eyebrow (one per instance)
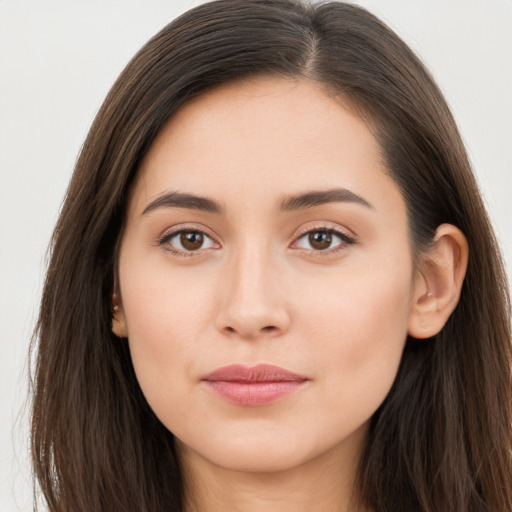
(181, 200)
(287, 204)
(317, 198)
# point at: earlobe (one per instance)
(438, 282)
(118, 320)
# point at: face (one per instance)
(265, 276)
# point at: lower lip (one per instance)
(254, 393)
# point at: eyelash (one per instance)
(344, 241)
(166, 237)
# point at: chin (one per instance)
(257, 462)
(245, 454)
(274, 452)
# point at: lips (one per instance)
(253, 386)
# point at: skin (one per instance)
(257, 291)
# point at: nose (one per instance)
(253, 304)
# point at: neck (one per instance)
(325, 483)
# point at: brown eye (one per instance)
(186, 241)
(320, 240)
(323, 240)
(191, 240)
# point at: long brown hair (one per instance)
(442, 440)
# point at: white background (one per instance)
(57, 62)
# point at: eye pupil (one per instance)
(191, 240)
(320, 239)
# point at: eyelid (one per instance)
(171, 232)
(325, 226)
(346, 237)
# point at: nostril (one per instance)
(266, 329)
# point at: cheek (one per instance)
(160, 302)
(360, 328)
(165, 313)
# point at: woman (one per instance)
(273, 284)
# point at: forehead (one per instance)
(259, 139)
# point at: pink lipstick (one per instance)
(253, 386)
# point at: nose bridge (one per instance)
(253, 303)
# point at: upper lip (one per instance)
(252, 374)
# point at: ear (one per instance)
(118, 320)
(438, 282)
